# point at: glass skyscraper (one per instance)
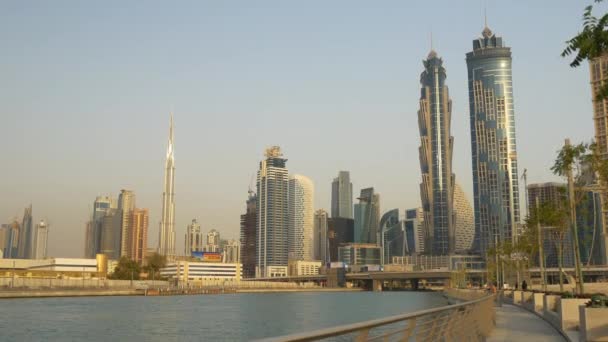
(436, 146)
(342, 196)
(493, 147)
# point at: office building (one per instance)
(41, 238)
(110, 235)
(248, 236)
(138, 227)
(320, 242)
(435, 152)
(231, 252)
(11, 240)
(301, 218)
(464, 223)
(493, 144)
(102, 206)
(126, 203)
(272, 223)
(26, 234)
(367, 216)
(166, 233)
(303, 268)
(213, 241)
(339, 231)
(414, 230)
(193, 240)
(359, 254)
(189, 271)
(393, 241)
(342, 196)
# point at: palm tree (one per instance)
(592, 42)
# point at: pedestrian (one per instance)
(524, 285)
(516, 285)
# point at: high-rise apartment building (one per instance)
(342, 196)
(272, 223)
(436, 146)
(493, 145)
(138, 229)
(213, 241)
(367, 217)
(464, 222)
(111, 225)
(414, 231)
(166, 233)
(248, 236)
(193, 241)
(301, 218)
(231, 253)
(41, 240)
(26, 235)
(126, 203)
(320, 242)
(598, 68)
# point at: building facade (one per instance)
(166, 233)
(232, 252)
(359, 254)
(191, 271)
(301, 218)
(464, 223)
(303, 268)
(102, 206)
(273, 214)
(414, 230)
(26, 235)
(193, 240)
(138, 242)
(339, 231)
(248, 236)
(320, 242)
(493, 144)
(110, 235)
(598, 69)
(393, 241)
(342, 196)
(126, 203)
(436, 146)
(213, 241)
(367, 216)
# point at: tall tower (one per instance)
(166, 236)
(26, 234)
(301, 218)
(598, 68)
(436, 146)
(493, 147)
(138, 242)
(193, 239)
(248, 236)
(320, 240)
(367, 217)
(126, 203)
(342, 196)
(272, 218)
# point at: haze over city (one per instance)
(87, 94)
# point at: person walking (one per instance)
(524, 285)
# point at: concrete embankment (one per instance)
(323, 289)
(68, 293)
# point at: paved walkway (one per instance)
(517, 324)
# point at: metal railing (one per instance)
(468, 321)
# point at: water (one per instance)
(236, 317)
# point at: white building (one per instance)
(232, 252)
(304, 268)
(193, 239)
(166, 233)
(192, 271)
(41, 240)
(301, 218)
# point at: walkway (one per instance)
(517, 324)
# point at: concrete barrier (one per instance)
(568, 312)
(593, 323)
(517, 296)
(550, 310)
(538, 301)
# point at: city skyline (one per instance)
(221, 210)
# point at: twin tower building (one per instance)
(493, 148)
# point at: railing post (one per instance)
(363, 334)
(411, 325)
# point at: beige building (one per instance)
(304, 268)
(598, 69)
(138, 234)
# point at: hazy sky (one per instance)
(86, 89)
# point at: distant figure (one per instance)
(493, 288)
(516, 285)
(524, 285)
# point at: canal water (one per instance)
(230, 317)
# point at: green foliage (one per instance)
(154, 263)
(592, 42)
(126, 269)
(570, 157)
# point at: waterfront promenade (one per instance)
(516, 324)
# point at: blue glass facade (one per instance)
(493, 145)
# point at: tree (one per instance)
(154, 262)
(126, 269)
(592, 42)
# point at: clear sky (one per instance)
(86, 89)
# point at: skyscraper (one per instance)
(41, 240)
(493, 146)
(110, 234)
(367, 216)
(126, 203)
(232, 252)
(26, 235)
(320, 236)
(166, 236)
(598, 68)
(393, 238)
(301, 218)
(272, 223)
(213, 241)
(464, 223)
(193, 239)
(11, 240)
(436, 146)
(414, 230)
(93, 240)
(248, 236)
(342, 196)
(138, 228)
(339, 231)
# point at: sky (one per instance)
(86, 89)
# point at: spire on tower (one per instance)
(170, 145)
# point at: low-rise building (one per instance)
(184, 271)
(304, 268)
(359, 254)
